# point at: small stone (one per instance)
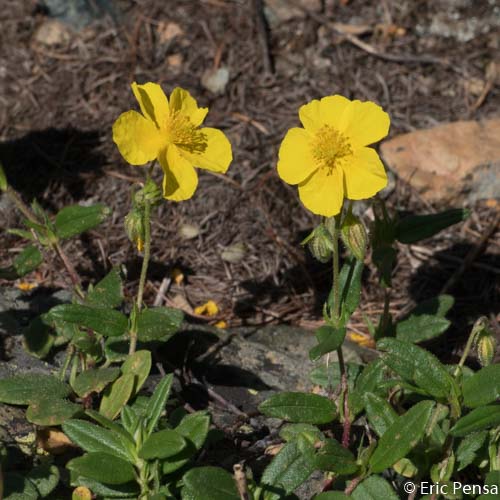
(52, 32)
(278, 11)
(215, 80)
(449, 162)
(168, 31)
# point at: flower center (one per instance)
(183, 133)
(330, 147)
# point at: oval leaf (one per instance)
(481, 418)
(76, 219)
(102, 467)
(28, 260)
(414, 364)
(158, 323)
(289, 469)
(333, 457)
(93, 438)
(374, 488)
(108, 293)
(94, 380)
(483, 387)
(30, 387)
(107, 322)
(329, 338)
(51, 411)
(299, 407)
(162, 444)
(157, 402)
(116, 396)
(209, 483)
(138, 365)
(403, 435)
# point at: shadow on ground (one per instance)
(33, 162)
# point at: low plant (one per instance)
(376, 431)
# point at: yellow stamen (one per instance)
(329, 147)
(184, 134)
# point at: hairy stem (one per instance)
(144, 271)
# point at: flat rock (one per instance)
(278, 11)
(449, 162)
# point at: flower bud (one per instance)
(353, 234)
(134, 226)
(150, 192)
(484, 341)
(3, 179)
(320, 244)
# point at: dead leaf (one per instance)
(53, 441)
(273, 450)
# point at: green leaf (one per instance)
(112, 426)
(209, 483)
(483, 387)
(414, 364)
(403, 435)
(107, 322)
(289, 469)
(350, 288)
(331, 495)
(374, 488)
(17, 487)
(421, 328)
(414, 228)
(108, 293)
(93, 438)
(138, 365)
(31, 387)
(45, 477)
(158, 323)
(478, 419)
(162, 444)
(299, 407)
(102, 467)
(194, 429)
(94, 380)
(116, 396)
(3, 179)
(333, 457)
(492, 483)
(158, 401)
(330, 376)
(119, 491)
(380, 413)
(370, 380)
(129, 419)
(329, 338)
(467, 449)
(51, 411)
(38, 338)
(28, 260)
(292, 432)
(77, 219)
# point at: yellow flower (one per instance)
(328, 158)
(210, 308)
(169, 130)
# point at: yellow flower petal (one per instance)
(182, 101)
(137, 138)
(365, 123)
(296, 162)
(218, 154)
(210, 308)
(364, 174)
(153, 102)
(180, 179)
(329, 110)
(323, 192)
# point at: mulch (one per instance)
(58, 103)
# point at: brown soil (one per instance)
(57, 105)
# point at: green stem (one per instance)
(467, 349)
(336, 284)
(70, 351)
(144, 271)
(336, 319)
